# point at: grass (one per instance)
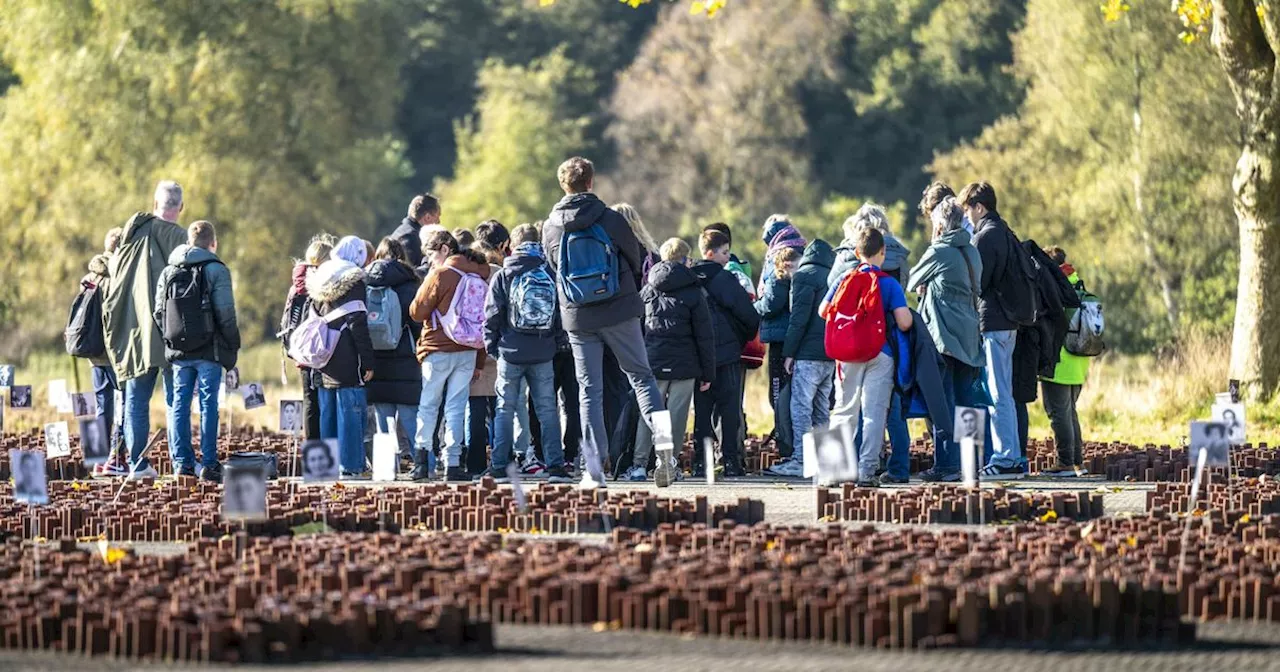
(1132, 398)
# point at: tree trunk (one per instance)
(1246, 35)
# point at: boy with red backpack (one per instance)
(858, 309)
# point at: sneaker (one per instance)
(1081, 472)
(995, 473)
(185, 471)
(588, 483)
(932, 475)
(791, 468)
(420, 473)
(211, 473)
(872, 482)
(111, 470)
(533, 468)
(559, 475)
(636, 475)
(142, 474)
(734, 470)
(665, 471)
(355, 475)
(1061, 471)
(888, 479)
(456, 474)
(497, 476)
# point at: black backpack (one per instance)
(1019, 291)
(84, 334)
(188, 311)
(297, 309)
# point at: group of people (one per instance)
(550, 347)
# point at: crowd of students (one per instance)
(549, 347)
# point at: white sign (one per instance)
(968, 462)
(385, 447)
(1210, 439)
(1231, 416)
(58, 397)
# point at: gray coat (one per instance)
(948, 296)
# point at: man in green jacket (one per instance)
(134, 344)
(1062, 391)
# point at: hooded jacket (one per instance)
(98, 276)
(576, 212)
(806, 332)
(134, 344)
(297, 288)
(895, 259)
(396, 376)
(949, 296)
(225, 346)
(436, 294)
(918, 377)
(500, 339)
(994, 241)
(680, 335)
(774, 306)
(408, 233)
(736, 320)
(330, 285)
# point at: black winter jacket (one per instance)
(806, 334)
(500, 340)
(397, 378)
(736, 320)
(577, 212)
(332, 284)
(995, 242)
(679, 333)
(408, 235)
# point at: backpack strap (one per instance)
(348, 308)
(973, 282)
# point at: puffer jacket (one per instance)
(500, 338)
(331, 285)
(577, 212)
(774, 306)
(396, 376)
(736, 320)
(436, 294)
(806, 332)
(895, 259)
(225, 346)
(98, 276)
(679, 333)
(410, 236)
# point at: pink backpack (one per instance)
(312, 343)
(463, 323)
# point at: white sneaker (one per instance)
(792, 468)
(588, 483)
(636, 474)
(143, 474)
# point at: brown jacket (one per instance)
(435, 294)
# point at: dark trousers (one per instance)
(104, 390)
(1024, 427)
(310, 403)
(958, 380)
(1060, 405)
(479, 433)
(725, 401)
(780, 400)
(566, 381)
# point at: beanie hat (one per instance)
(350, 249)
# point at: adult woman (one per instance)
(946, 278)
(396, 385)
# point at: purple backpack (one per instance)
(463, 322)
(312, 343)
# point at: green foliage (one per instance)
(278, 117)
(1115, 111)
(507, 155)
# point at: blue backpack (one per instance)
(588, 266)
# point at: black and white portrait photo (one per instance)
(6, 375)
(58, 397)
(84, 405)
(290, 416)
(254, 397)
(1232, 417)
(320, 461)
(244, 493)
(832, 454)
(20, 396)
(29, 485)
(57, 443)
(971, 423)
(93, 441)
(233, 379)
(1211, 438)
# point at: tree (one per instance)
(508, 153)
(277, 117)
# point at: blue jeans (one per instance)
(540, 379)
(404, 415)
(958, 380)
(811, 383)
(190, 376)
(998, 346)
(137, 412)
(104, 389)
(445, 375)
(342, 414)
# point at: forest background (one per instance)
(1102, 132)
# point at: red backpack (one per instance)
(855, 318)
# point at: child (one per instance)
(295, 304)
(521, 321)
(736, 322)
(447, 365)
(774, 306)
(337, 287)
(105, 385)
(1062, 391)
(681, 344)
(868, 386)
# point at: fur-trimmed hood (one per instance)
(332, 280)
(98, 265)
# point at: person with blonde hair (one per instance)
(295, 304)
(632, 216)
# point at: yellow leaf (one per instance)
(114, 555)
(770, 545)
(1132, 541)
(546, 3)
(698, 7)
(1049, 516)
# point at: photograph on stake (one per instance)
(93, 441)
(320, 460)
(1211, 439)
(6, 375)
(244, 494)
(56, 441)
(253, 395)
(29, 486)
(20, 397)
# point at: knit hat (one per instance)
(350, 249)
